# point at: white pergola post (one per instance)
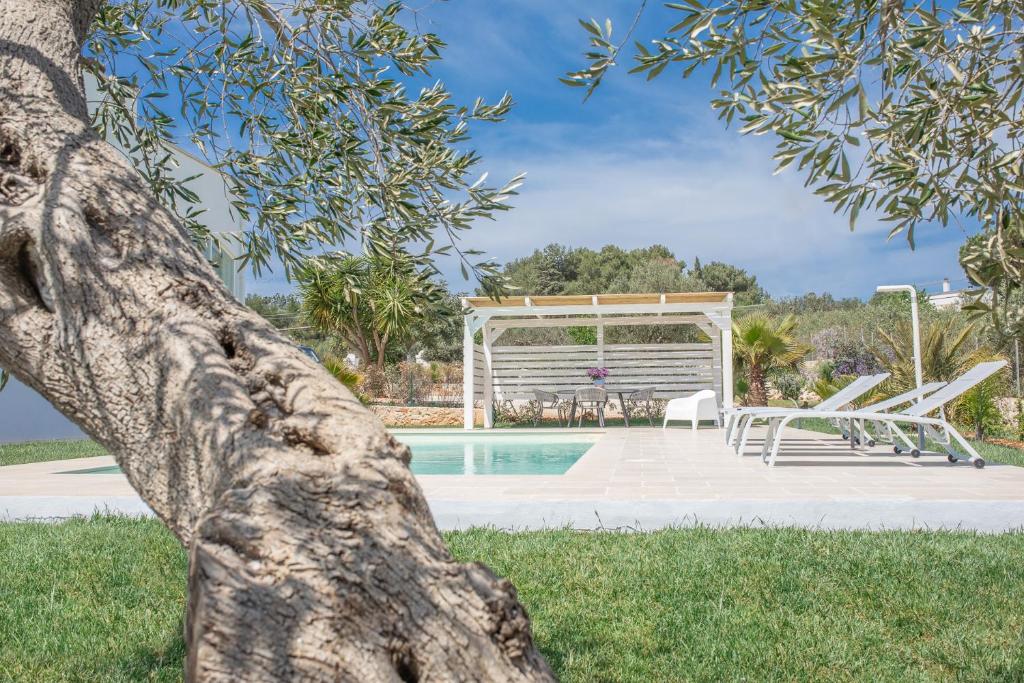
(600, 344)
(467, 373)
(488, 378)
(727, 383)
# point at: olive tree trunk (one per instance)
(312, 554)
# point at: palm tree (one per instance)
(369, 301)
(762, 345)
(943, 356)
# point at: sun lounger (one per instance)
(858, 387)
(883, 407)
(915, 413)
(845, 425)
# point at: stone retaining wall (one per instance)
(424, 416)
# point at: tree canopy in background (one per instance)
(717, 276)
(908, 111)
(557, 269)
(437, 335)
(284, 311)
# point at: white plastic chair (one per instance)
(701, 406)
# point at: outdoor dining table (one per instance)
(621, 392)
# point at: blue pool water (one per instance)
(471, 454)
(448, 453)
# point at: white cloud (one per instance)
(720, 203)
(714, 198)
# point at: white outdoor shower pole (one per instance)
(916, 325)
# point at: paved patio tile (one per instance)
(661, 477)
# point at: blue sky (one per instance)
(644, 162)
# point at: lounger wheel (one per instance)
(979, 463)
(952, 458)
(915, 453)
(871, 443)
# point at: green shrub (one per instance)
(583, 336)
(741, 388)
(346, 375)
(789, 385)
(979, 408)
(506, 413)
(1020, 420)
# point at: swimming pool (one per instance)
(449, 453)
(476, 454)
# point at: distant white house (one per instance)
(947, 298)
(27, 416)
(951, 298)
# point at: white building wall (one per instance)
(214, 198)
(955, 300)
(946, 300)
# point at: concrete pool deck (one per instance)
(645, 478)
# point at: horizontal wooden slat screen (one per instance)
(672, 369)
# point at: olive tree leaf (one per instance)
(316, 113)
(909, 112)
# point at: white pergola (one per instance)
(511, 372)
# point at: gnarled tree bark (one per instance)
(312, 553)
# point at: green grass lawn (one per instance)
(996, 453)
(102, 600)
(45, 451)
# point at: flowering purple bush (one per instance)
(857, 363)
(846, 355)
(827, 343)
(597, 373)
